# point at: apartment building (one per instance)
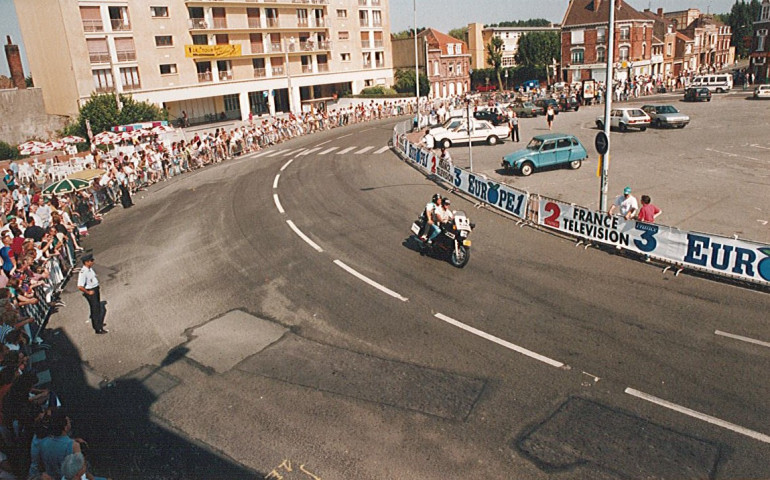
(711, 38)
(584, 41)
(208, 58)
(760, 49)
(479, 37)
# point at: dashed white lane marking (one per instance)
(370, 281)
(382, 150)
(500, 341)
(730, 154)
(263, 153)
(328, 150)
(286, 164)
(744, 339)
(308, 152)
(759, 146)
(349, 149)
(304, 237)
(289, 152)
(278, 203)
(700, 416)
(324, 143)
(277, 152)
(275, 182)
(343, 136)
(364, 150)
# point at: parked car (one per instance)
(625, 118)
(568, 103)
(489, 115)
(700, 94)
(481, 131)
(525, 109)
(549, 150)
(543, 103)
(762, 91)
(666, 116)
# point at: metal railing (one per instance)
(99, 57)
(272, 22)
(118, 25)
(225, 75)
(126, 55)
(132, 86)
(260, 72)
(323, 67)
(307, 69)
(276, 47)
(255, 22)
(378, 43)
(257, 48)
(93, 26)
(320, 23)
(104, 89)
(364, 22)
(278, 71)
(204, 76)
(219, 22)
(197, 23)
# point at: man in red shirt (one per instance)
(649, 212)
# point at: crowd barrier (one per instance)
(737, 259)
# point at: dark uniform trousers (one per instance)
(95, 304)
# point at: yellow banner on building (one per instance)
(212, 51)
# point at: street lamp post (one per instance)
(506, 79)
(468, 126)
(608, 107)
(417, 66)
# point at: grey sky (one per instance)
(440, 14)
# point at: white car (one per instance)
(762, 91)
(455, 130)
(625, 118)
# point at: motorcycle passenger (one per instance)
(430, 217)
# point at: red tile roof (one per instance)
(437, 39)
(585, 12)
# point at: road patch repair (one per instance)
(224, 342)
(583, 432)
(331, 369)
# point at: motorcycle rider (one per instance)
(430, 217)
(446, 214)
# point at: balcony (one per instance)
(225, 75)
(272, 23)
(105, 89)
(219, 22)
(307, 69)
(132, 86)
(380, 64)
(361, 3)
(378, 44)
(278, 71)
(255, 22)
(204, 77)
(323, 67)
(377, 23)
(260, 72)
(93, 26)
(367, 64)
(375, 3)
(320, 23)
(302, 22)
(119, 25)
(276, 48)
(311, 2)
(257, 48)
(197, 24)
(364, 22)
(126, 55)
(99, 57)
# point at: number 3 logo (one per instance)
(648, 235)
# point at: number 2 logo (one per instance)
(553, 219)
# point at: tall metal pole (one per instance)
(609, 87)
(470, 148)
(288, 75)
(417, 66)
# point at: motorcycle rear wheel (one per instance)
(460, 257)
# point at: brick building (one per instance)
(448, 61)
(711, 38)
(584, 41)
(760, 49)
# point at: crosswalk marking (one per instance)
(364, 150)
(328, 150)
(382, 150)
(262, 154)
(349, 149)
(308, 152)
(289, 152)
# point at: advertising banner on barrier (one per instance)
(748, 261)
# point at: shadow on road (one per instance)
(125, 441)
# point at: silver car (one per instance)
(666, 116)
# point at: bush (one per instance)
(378, 90)
(102, 112)
(8, 152)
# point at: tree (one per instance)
(409, 33)
(459, 33)
(102, 111)
(532, 22)
(405, 82)
(539, 48)
(741, 19)
(495, 57)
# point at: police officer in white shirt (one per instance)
(89, 285)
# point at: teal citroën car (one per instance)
(547, 151)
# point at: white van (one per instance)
(719, 83)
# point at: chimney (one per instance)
(14, 65)
(660, 12)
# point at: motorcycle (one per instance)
(452, 242)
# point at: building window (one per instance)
(577, 56)
(102, 80)
(376, 18)
(450, 48)
(200, 40)
(168, 69)
(578, 37)
(92, 19)
(644, 51)
(159, 12)
(436, 71)
(345, 57)
(164, 41)
(98, 51)
(343, 35)
(232, 102)
(302, 17)
(342, 13)
(623, 54)
(625, 33)
(601, 35)
(601, 54)
(130, 78)
(668, 49)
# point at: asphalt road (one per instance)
(271, 310)
(712, 176)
